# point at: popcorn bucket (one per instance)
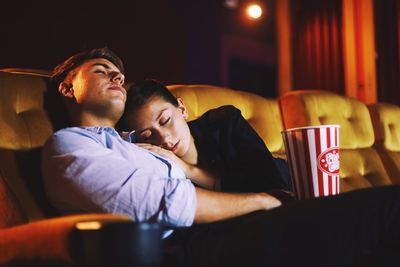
(313, 157)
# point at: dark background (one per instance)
(175, 41)
(179, 41)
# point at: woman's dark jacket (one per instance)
(228, 144)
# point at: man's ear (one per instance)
(66, 89)
(182, 108)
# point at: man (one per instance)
(90, 168)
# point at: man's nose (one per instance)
(118, 77)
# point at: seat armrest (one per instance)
(45, 240)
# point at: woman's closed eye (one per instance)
(165, 121)
(144, 136)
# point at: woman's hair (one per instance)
(140, 93)
(61, 71)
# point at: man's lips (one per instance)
(118, 88)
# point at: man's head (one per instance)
(61, 71)
(92, 82)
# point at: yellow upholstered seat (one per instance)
(263, 114)
(24, 127)
(386, 122)
(360, 164)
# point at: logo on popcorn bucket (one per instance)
(328, 161)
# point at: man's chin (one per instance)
(113, 108)
(118, 102)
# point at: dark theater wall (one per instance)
(148, 35)
(175, 41)
(387, 40)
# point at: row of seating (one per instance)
(369, 134)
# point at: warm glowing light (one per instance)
(92, 225)
(254, 11)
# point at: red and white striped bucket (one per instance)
(313, 157)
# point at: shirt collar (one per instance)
(129, 136)
(100, 129)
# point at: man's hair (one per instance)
(61, 71)
(140, 93)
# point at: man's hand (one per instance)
(284, 196)
(217, 206)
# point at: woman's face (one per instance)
(160, 123)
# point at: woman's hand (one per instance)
(195, 174)
(168, 154)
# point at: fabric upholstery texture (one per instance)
(360, 164)
(29, 114)
(312, 107)
(386, 122)
(22, 109)
(262, 113)
(24, 127)
(10, 210)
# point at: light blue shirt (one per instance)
(92, 169)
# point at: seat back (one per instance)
(25, 126)
(10, 210)
(386, 122)
(360, 164)
(263, 114)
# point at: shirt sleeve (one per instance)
(82, 174)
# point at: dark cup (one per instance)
(117, 244)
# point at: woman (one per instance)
(219, 150)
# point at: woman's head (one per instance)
(157, 117)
